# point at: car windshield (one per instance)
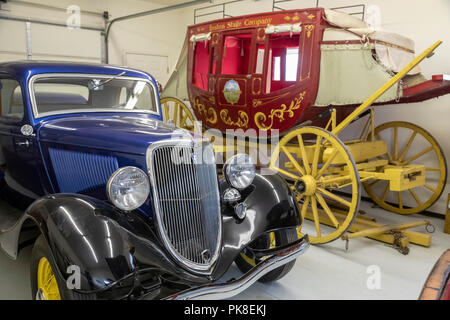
(74, 94)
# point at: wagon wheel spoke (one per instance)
(429, 187)
(327, 210)
(385, 192)
(414, 195)
(166, 110)
(316, 216)
(183, 119)
(408, 145)
(305, 207)
(334, 197)
(327, 164)
(175, 113)
(335, 180)
(395, 129)
(286, 173)
(294, 162)
(400, 201)
(315, 160)
(304, 155)
(418, 155)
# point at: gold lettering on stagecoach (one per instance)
(250, 22)
(241, 122)
(261, 119)
(234, 24)
(217, 27)
(256, 22)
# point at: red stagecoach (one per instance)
(308, 73)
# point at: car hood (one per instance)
(118, 133)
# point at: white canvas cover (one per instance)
(176, 86)
(393, 50)
(271, 29)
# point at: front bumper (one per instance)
(234, 287)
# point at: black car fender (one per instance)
(105, 244)
(270, 206)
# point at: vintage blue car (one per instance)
(121, 205)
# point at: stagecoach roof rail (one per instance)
(362, 12)
(220, 5)
(366, 104)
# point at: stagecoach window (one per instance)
(201, 64)
(276, 68)
(236, 54)
(56, 95)
(291, 64)
(260, 60)
(283, 61)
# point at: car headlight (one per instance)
(240, 171)
(128, 188)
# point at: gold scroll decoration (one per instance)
(209, 114)
(241, 122)
(265, 122)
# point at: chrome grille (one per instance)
(186, 200)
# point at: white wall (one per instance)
(160, 34)
(49, 42)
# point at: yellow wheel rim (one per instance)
(318, 161)
(176, 110)
(418, 147)
(46, 282)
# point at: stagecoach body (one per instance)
(275, 70)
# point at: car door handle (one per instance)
(25, 143)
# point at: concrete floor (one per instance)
(324, 272)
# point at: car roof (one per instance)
(27, 68)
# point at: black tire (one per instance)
(40, 250)
(281, 238)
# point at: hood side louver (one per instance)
(78, 172)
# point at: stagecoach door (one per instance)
(234, 79)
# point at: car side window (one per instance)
(11, 102)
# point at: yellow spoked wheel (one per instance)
(319, 166)
(176, 110)
(417, 147)
(46, 281)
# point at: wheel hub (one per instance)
(306, 185)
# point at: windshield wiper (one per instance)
(101, 83)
